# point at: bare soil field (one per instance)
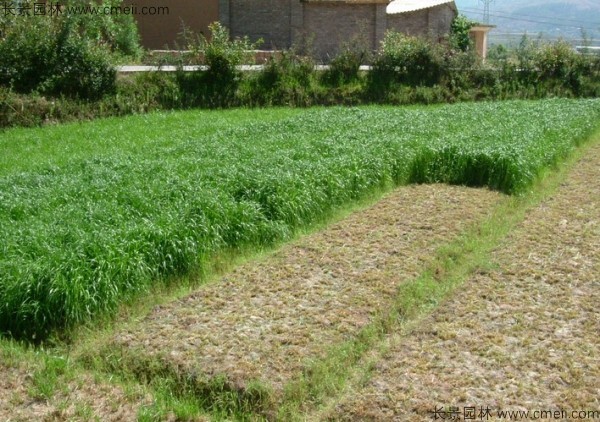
(524, 335)
(265, 321)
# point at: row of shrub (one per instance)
(71, 77)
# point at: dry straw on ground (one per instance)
(523, 336)
(265, 320)
(77, 398)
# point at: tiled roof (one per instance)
(349, 1)
(403, 6)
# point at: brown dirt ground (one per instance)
(76, 398)
(523, 336)
(264, 320)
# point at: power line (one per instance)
(510, 15)
(521, 33)
(486, 10)
(581, 24)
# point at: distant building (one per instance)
(328, 24)
(479, 35)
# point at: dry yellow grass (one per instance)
(79, 397)
(522, 336)
(265, 320)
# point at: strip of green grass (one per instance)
(29, 149)
(90, 223)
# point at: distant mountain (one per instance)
(568, 19)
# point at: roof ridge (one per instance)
(404, 6)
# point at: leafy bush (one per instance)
(287, 79)
(118, 31)
(28, 53)
(536, 69)
(559, 63)
(51, 56)
(81, 69)
(344, 68)
(149, 91)
(215, 87)
(405, 60)
(459, 33)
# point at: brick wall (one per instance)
(281, 23)
(162, 31)
(266, 19)
(328, 25)
(411, 23)
(440, 20)
(332, 25)
(434, 22)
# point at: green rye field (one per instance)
(93, 214)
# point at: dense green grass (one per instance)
(92, 214)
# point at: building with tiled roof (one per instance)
(326, 24)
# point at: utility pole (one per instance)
(486, 10)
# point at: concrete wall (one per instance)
(479, 35)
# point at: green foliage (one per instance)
(523, 68)
(28, 54)
(222, 54)
(81, 69)
(134, 94)
(70, 54)
(344, 68)
(287, 79)
(536, 69)
(52, 56)
(117, 31)
(498, 53)
(559, 62)
(405, 60)
(217, 86)
(145, 92)
(101, 213)
(68, 60)
(459, 33)
(45, 379)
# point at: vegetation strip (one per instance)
(63, 70)
(83, 235)
(522, 334)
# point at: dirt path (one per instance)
(265, 320)
(523, 336)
